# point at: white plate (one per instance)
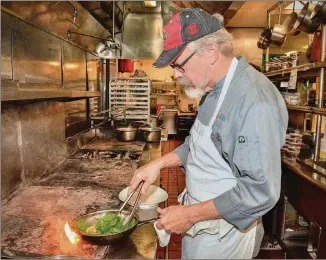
(154, 196)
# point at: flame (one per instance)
(72, 236)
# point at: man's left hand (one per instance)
(175, 219)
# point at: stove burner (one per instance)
(114, 154)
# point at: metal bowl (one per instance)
(126, 134)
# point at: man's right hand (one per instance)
(148, 173)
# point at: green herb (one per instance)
(109, 224)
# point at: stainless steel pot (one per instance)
(319, 12)
(304, 22)
(148, 134)
(289, 22)
(279, 32)
(264, 39)
(126, 134)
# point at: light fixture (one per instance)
(150, 3)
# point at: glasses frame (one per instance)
(179, 67)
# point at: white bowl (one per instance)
(154, 196)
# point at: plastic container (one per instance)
(322, 153)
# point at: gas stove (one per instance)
(118, 154)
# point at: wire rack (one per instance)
(132, 94)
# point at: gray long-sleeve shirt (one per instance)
(248, 132)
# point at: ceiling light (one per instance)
(150, 3)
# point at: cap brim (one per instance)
(167, 57)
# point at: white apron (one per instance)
(208, 176)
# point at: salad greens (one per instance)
(109, 224)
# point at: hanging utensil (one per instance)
(278, 33)
(265, 38)
(304, 22)
(289, 22)
(319, 12)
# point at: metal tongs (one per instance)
(127, 220)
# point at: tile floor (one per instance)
(173, 181)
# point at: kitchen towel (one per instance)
(163, 236)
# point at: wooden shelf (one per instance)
(15, 95)
(307, 109)
(300, 68)
(157, 95)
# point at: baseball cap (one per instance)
(184, 27)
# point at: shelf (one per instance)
(15, 95)
(300, 68)
(156, 95)
(307, 109)
(295, 248)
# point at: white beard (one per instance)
(190, 89)
(194, 92)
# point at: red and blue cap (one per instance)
(184, 27)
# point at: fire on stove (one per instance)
(103, 154)
(72, 236)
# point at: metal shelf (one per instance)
(15, 95)
(300, 68)
(132, 94)
(307, 109)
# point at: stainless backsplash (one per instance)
(33, 141)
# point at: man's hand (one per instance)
(174, 219)
(148, 173)
(179, 219)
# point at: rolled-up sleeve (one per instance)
(257, 161)
(183, 151)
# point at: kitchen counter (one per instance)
(33, 220)
(305, 190)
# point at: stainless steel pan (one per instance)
(319, 12)
(279, 33)
(289, 22)
(304, 22)
(106, 239)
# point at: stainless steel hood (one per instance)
(142, 37)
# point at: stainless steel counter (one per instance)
(79, 186)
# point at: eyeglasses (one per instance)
(179, 67)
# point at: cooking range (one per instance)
(35, 221)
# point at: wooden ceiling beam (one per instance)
(232, 10)
(187, 4)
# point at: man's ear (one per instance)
(213, 53)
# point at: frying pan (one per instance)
(319, 12)
(106, 239)
(289, 22)
(304, 22)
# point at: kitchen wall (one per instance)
(245, 44)
(33, 141)
(34, 132)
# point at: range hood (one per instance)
(142, 34)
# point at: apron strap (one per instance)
(227, 82)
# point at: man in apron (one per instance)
(232, 156)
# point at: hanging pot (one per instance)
(304, 22)
(264, 39)
(319, 12)
(278, 33)
(289, 22)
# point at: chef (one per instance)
(231, 157)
